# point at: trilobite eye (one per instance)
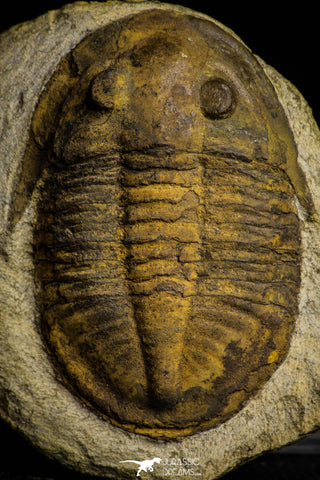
(217, 99)
(102, 92)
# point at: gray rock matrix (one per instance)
(32, 399)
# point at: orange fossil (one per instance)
(167, 244)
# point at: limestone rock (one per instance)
(34, 396)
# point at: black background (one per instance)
(287, 39)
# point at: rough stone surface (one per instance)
(161, 223)
(32, 400)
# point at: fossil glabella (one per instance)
(167, 241)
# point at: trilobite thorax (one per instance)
(167, 246)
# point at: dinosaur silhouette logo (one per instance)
(145, 465)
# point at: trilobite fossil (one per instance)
(167, 240)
